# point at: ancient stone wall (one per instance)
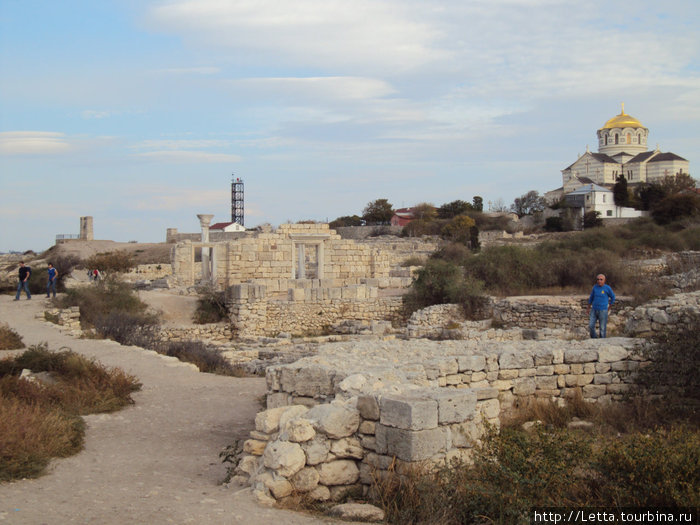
(311, 309)
(353, 411)
(216, 332)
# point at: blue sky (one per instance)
(138, 112)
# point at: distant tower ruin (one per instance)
(237, 201)
(86, 229)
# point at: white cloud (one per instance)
(314, 88)
(95, 114)
(180, 156)
(33, 143)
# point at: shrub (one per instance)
(9, 339)
(592, 219)
(127, 328)
(41, 421)
(211, 307)
(443, 282)
(675, 207)
(207, 359)
(658, 469)
(458, 229)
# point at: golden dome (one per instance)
(623, 120)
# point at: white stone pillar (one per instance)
(301, 260)
(204, 221)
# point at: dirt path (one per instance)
(153, 463)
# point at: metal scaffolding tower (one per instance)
(237, 200)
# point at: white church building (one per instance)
(622, 149)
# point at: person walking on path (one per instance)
(24, 273)
(601, 299)
(51, 285)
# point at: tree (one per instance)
(424, 211)
(620, 193)
(676, 207)
(346, 220)
(528, 203)
(498, 206)
(676, 183)
(453, 209)
(378, 211)
(650, 194)
(478, 203)
(459, 229)
(592, 219)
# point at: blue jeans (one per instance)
(25, 285)
(51, 285)
(602, 317)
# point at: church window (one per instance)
(617, 138)
(609, 213)
(629, 138)
(603, 198)
(606, 140)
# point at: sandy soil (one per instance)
(174, 310)
(153, 463)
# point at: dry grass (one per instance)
(9, 339)
(40, 420)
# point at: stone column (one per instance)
(301, 260)
(86, 228)
(204, 221)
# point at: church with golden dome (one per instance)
(622, 149)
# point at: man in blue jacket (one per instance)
(601, 299)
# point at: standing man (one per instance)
(24, 273)
(601, 299)
(51, 285)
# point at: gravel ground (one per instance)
(153, 463)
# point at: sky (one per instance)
(139, 112)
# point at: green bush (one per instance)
(659, 469)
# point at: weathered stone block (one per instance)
(316, 450)
(334, 421)
(546, 382)
(465, 434)
(368, 407)
(367, 427)
(594, 391)
(284, 457)
(602, 379)
(347, 448)
(489, 408)
(254, 447)
(298, 431)
(339, 472)
(524, 386)
(268, 421)
(580, 355)
(454, 406)
(410, 413)
(515, 360)
(412, 445)
(308, 381)
(306, 479)
(610, 353)
(473, 363)
(507, 374)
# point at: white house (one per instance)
(592, 197)
(226, 227)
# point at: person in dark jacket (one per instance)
(24, 273)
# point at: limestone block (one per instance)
(618, 388)
(594, 391)
(515, 360)
(578, 379)
(338, 472)
(410, 413)
(465, 434)
(248, 465)
(320, 493)
(367, 427)
(507, 374)
(316, 450)
(546, 382)
(490, 408)
(454, 405)
(343, 492)
(477, 377)
(610, 353)
(547, 370)
(298, 431)
(357, 512)
(306, 479)
(602, 379)
(307, 381)
(284, 457)
(527, 372)
(624, 366)
(589, 368)
(412, 445)
(580, 355)
(486, 392)
(561, 381)
(334, 421)
(524, 386)
(369, 443)
(292, 412)
(368, 407)
(254, 447)
(502, 384)
(279, 488)
(543, 357)
(471, 363)
(268, 421)
(576, 368)
(601, 368)
(349, 447)
(260, 436)
(562, 369)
